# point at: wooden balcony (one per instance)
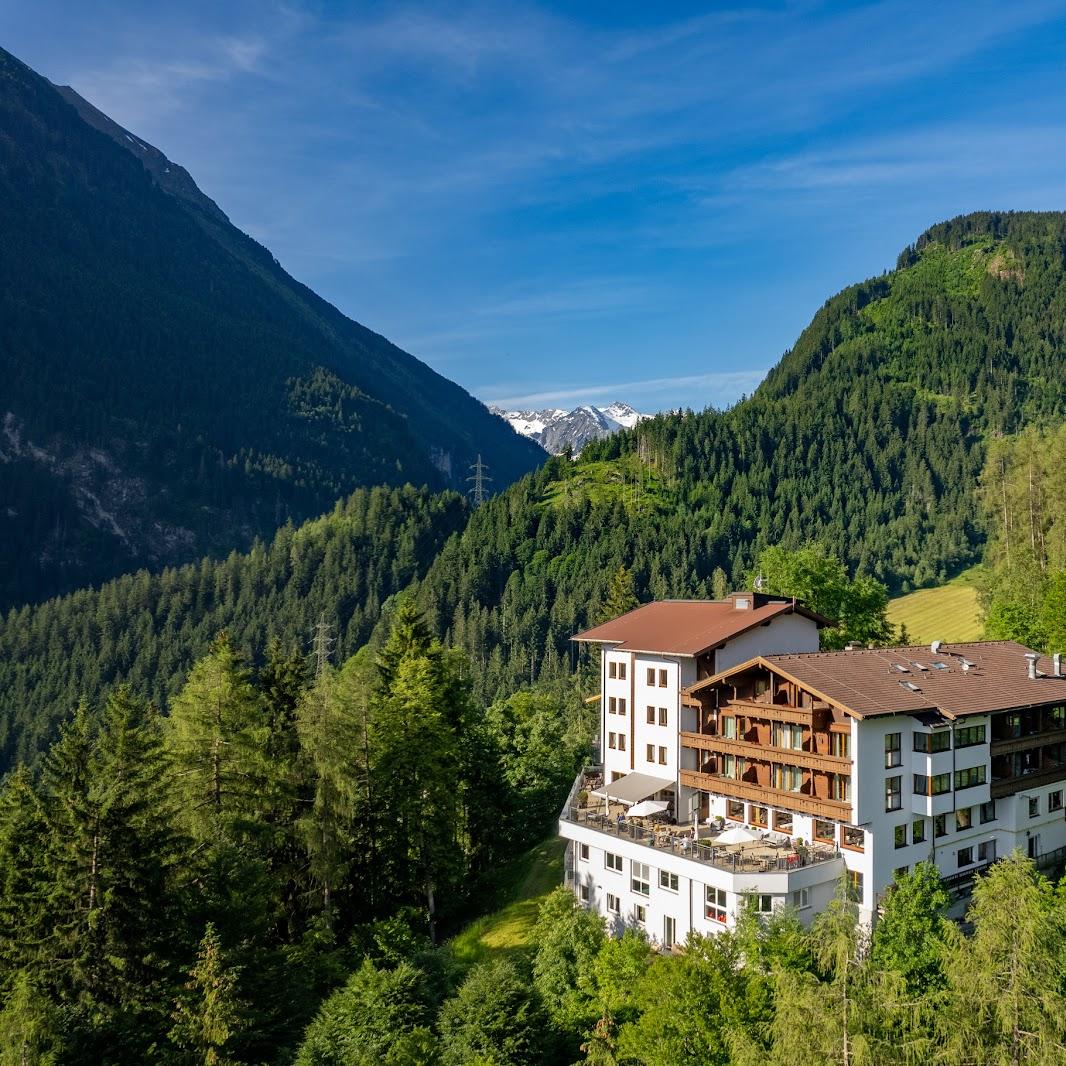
(808, 760)
(773, 712)
(774, 797)
(1008, 786)
(1033, 740)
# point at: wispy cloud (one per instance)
(707, 389)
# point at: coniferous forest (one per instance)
(247, 800)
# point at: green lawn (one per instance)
(507, 931)
(948, 612)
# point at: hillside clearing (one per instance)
(507, 932)
(949, 612)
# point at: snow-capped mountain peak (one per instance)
(555, 429)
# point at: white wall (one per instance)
(785, 635)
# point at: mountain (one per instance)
(169, 390)
(555, 430)
(869, 436)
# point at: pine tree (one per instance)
(621, 596)
(23, 879)
(208, 1015)
(217, 740)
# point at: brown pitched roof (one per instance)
(688, 627)
(870, 682)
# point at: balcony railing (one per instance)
(737, 859)
(804, 802)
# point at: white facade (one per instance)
(920, 789)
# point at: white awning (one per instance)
(633, 788)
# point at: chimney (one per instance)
(1056, 664)
(935, 647)
(1031, 656)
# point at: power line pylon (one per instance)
(480, 478)
(322, 645)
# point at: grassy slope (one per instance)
(507, 931)
(948, 612)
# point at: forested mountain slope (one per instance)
(168, 390)
(148, 629)
(869, 436)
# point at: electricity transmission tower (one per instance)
(321, 645)
(480, 478)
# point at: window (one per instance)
(663, 718)
(614, 904)
(669, 932)
(932, 786)
(662, 756)
(975, 775)
(783, 821)
(969, 735)
(612, 740)
(715, 908)
(651, 677)
(758, 816)
(855, 885)
(893, 750)
(583, 893)
(801, 899)
(621, 705)
(931, 743)
(640, 913)
(787, 778)
(840, 745)
(662, 679)
(668, 881)
(621, 671)
(824, 830)
(840, 787)
(1034, 806)
(1054, 801)
(640, 882)
(940, 825)
(612, 669)
(651, 716)
(612, 704)
(621, 742)
(583, 852)
(735, 809)
(918, 831)
(853, 838)
(787, 736)
(729, 727)
(893, 793)
(986, 851)
(759, 902)
(900, 872)
(988, 811)
(612, 861)
(651, 753)
(965, 857)
(901, 836)
(1056, 718)
(963, 819)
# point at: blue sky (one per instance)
(557, 204)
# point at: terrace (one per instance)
(767, 853)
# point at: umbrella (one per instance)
(737, 835)
(646, 807)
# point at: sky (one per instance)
(555, 204)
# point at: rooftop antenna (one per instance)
(480, 478)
